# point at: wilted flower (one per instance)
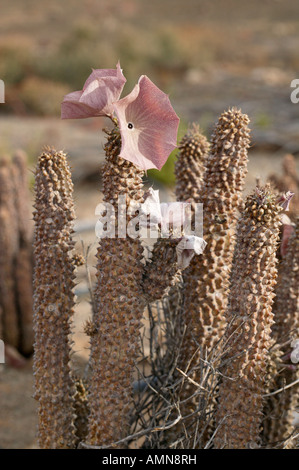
(151, 206)
(101, 89)
(285, 199)
(148, 125)
(166, 215)
(172, 215)
(188, 247)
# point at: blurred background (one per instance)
(208, 55)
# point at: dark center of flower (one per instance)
(130, 125)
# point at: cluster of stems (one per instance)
(250, 318)
(225, 295)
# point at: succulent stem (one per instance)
(250, 319)
(53, 300)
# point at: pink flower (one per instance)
(148, 125)
(101, 89)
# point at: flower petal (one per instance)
(99, 97)
(106, 73)
(148, 125)
(72, 108)
(187, 248)
(100, 90)
(165, 214)
(151, 207)
(285, 199)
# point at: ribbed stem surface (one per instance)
(53, 300)
(250, 319)
(115, 339)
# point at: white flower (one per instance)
(151, 207)
(166, 215)
(187, 248)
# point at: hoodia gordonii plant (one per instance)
(24, 261)
(53, 300)
(9, 239)
(284, 399)
(288, 180)
(250, 319)
(144, 135)
(16, 263)
(175, 247)
(97, 412)
(162, 270)
(189, 167)
(114, 343)
(206, 279)
(193, 150)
